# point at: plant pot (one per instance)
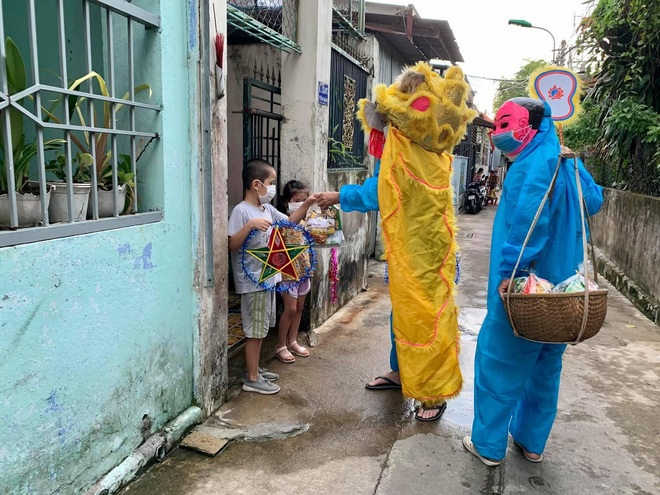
(106, 205)
(28, 207)
(59, 210)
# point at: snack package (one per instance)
(575, 283)
(324, 225)
(531, 285)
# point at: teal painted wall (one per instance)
(96, 331)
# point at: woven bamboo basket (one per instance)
(560, 318)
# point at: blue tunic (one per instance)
(517, 381)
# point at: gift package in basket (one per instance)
(324, 225)
(568, 313)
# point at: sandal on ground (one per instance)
(526, 453)
(388, 385)
(283, 354)
(298, 350)
(440, 409)
(469, 446)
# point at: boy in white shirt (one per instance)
(257, 304)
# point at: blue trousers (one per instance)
(394, 361)
(516, 387)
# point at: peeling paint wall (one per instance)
(96, 331)
(354, 253)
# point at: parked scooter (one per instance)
(474, 197)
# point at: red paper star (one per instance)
(277, 257)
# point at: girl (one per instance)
(293, 196)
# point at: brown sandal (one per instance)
(283, 354)
(298, 350)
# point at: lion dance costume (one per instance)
(426, 116)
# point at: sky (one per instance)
(492, 48)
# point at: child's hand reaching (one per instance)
(311, 199)
(262, 224)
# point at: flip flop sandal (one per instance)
(440, 408)
(283, 354)
(525, 453)
(298, 350)
(388, 385)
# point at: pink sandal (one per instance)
(283, 354)
(298, 350)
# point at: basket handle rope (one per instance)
(584, 219)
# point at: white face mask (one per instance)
(294, 206)
(270, 194)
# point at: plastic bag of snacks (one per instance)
(531, 285)
(575, 283)
(324, 225)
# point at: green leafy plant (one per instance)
(80, 164)
(22, 153)
(103, 154)
(622, 40)
(125, 176)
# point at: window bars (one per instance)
(77, 116)
(348, 16)
(270, 21)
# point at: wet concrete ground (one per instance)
(324, 433)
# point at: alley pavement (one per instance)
(325, 434)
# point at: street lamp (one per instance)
(527, 24)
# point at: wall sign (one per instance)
(323, 93)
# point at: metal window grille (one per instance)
(262, 123)
(348, 15)
(270, 21)
(348, 84)
(62, 124)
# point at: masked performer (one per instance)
(516, 380)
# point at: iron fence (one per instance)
(57, 133)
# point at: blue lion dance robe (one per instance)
(517, 381)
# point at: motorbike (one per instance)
(475, 197)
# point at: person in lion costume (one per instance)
(413, 126)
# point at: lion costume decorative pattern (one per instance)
(427, 116)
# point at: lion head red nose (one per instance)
(422, 104)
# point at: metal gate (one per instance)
(348, 83)
(262, 123)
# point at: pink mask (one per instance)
(512, 126)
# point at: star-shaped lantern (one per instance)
(277, 257)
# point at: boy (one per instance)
(257, 305)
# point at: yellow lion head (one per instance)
(428, 109)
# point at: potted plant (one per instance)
(81, 166)
(103, 165)
(28, 202)
(125, 190)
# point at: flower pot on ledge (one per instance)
(106, 205)
(28, 208)
(59, 210)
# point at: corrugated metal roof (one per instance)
(427, 38)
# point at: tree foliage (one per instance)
(620, 130)
(508, 89)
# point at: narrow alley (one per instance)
(324, 433)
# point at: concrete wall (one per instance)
(97, 330)
(305, 128)
(354, 254)
(627, 232)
